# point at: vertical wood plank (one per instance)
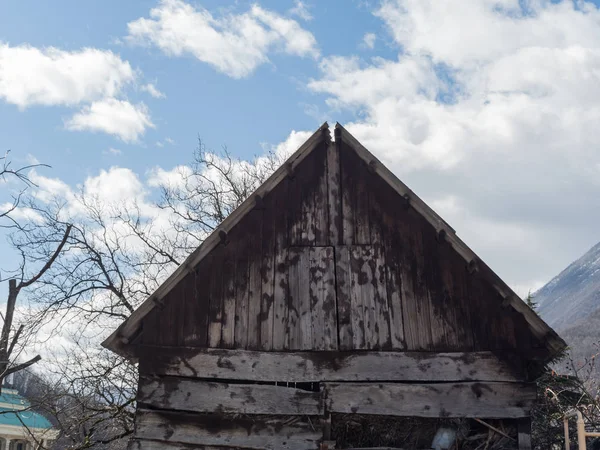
(329, 299)
(180, 304)
(281, 229)
(304, 308)
(376, 210)
(267, 274)
(303, 187)
(202, 298)
(452, 273)
(254, 229)
(321, 211)
(322, 298)
(481, 325)
(196, 312)
(344, 301)
(151, 326)
(417, 318)
(382, 311)
(280, 304)
(394, 290)
(361, 314)
(241, 300)
(334, 194)
(166, 321)
(215, 300)
(347, 189)
(229, 294)
(299, 312)
(361, 207)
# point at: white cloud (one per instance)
(89, 78)
(113, 186)
(116, 117)
(234, 44)
(490, 113)
(369, 40)
(152, 90)
(113, 151)
(168, 140)
(301, 10)
(20, 213)
(50, 76)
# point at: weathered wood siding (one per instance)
(248, 365)
(333, 295)
(334, 259)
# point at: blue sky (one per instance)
(486, 108)
(200, 101)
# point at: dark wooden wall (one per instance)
(333, 258)
(257, 346)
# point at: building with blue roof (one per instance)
(20, 427)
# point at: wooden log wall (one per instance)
(261, 400)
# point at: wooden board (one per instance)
(370, 312)
(334, 194)
(185, 394)
(324, 366)
(280, 280)
(344, 297)
(229, 295)
(255, 433)
(146, 444)
(322, 299)
(216, 300)
(267, 274)
(479, 399)
(241, 300)
(254, 229)
(299, 316)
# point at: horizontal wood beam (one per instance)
(205, 430)
(324, 366)
(480, 400)
(145, 444)
(186, 394)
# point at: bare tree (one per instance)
(9, 338)
(115, 256)
(20, 175)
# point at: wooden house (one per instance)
(332, 290)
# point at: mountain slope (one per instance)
(573, 296)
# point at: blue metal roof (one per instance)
(15, 415)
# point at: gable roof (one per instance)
(118, 341)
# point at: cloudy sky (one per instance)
(489, 110)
